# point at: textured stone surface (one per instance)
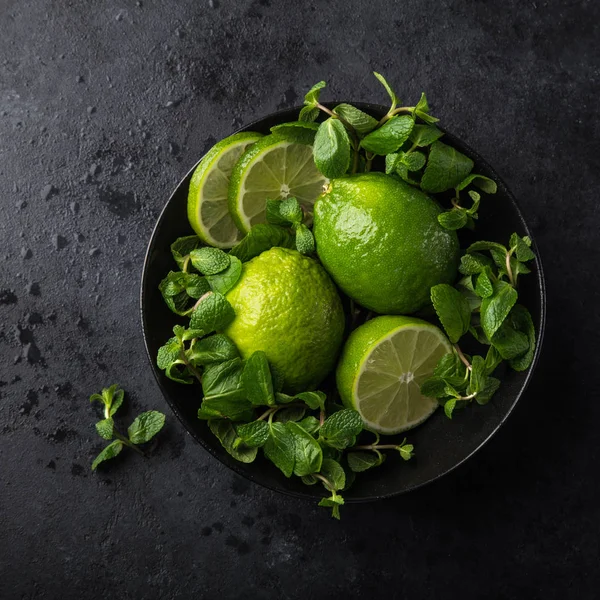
(103, 107)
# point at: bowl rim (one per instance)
(541, 325)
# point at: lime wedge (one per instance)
(208, 210)
(272, 168)
(382, 367)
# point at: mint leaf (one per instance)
(305, 241)
(196, 286)
(177, 288)
(255, 434)
(341, 428)
(209, 260)
(473, 264)
(281, 398)
(361, 461)
(233, 409)
(446, 168)
(481, 181)
(453, 219)
(307, 452)
(273, 214)
(492, 360)
(291, 413)
(449, 407)
(105, 428)
(256, 379)
(450, 366)
(483, 245)
(178, 372)
(425, 135)
(334, 502)
(310, 424)
(429, 119)
(491, 387)
(434, 387)
(388, 89)
(212, 313)
(260, 238)
(308, 114)
(522, 250)
(476, 198)
(414, 161)
(309, 479)
(280, 448)
(109, 452)
(116, 400)
(521, 321)
(297, 132)
(508, 341)
(225, 432)
(390, 136)
(496, 308)
(182, 246)
(406, 451)
(422, 104)
(145, 427)
(359, 120)
(392, 161)
(314, 400)
(477, 376)
(212, 349)
(291, 211)
(226, 280)
(111, 398)
(313, 95)
(331, 150)
(483, 286)
(334, 473)
(224, 380)
(452, 309)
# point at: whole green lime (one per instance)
(380, 240)
(287, 306)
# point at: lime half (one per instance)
(208, 210)
(382, 367)
(272, 168)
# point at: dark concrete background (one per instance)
(103, 107)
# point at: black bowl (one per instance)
(441, 444)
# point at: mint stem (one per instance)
(462, 357)
(396, 111)
(191, 367)
(126, 441)
(509, 269)
(186, 263)
(326, 110)
(328, 485)
(376, 447)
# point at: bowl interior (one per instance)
(441, 445)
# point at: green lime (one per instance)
(272, 168)
(208, 210)
(382, 366)
(287, 306)
(380, 240)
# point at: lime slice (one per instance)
(382, 367)
(208, 210)
(272, 168)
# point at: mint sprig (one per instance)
(141, 431)
(483, 304)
